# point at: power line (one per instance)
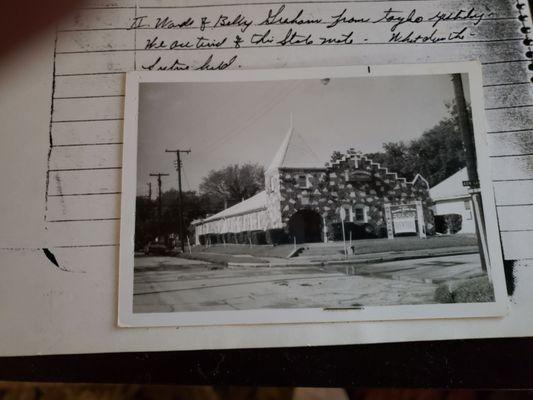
(272, 104)
(159, 200)
(178, 153)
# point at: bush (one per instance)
(212, 238)
(443, 294)
(448, 223)
(258, 237)
(358, 231)
(244, 237)
(478, 290)
(277, 236)
(201, 239)
(475, 290)
(381, 232)
(230, 237)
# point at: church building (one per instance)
(309, 201)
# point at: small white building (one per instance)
(451, 197)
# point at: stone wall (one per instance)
(351, 182)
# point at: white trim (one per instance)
(127, 318)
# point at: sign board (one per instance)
(471, 184)
(342, 213)
(404, 224)
(404, 219)
(359, 176)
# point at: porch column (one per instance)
(420, 219)
(388, 220)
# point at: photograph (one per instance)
(251, 194)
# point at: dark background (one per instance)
(479, 364)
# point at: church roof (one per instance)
(450, 188)
(294, 152)
(255, 203)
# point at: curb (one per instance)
(353, 261)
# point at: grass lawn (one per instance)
(366, 246)
(222, 259)
(413, 243)
(281, 251)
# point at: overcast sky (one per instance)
(225, 123)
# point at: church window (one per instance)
(302, 181)
(361, 214)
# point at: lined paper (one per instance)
(98, 44)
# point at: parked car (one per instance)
(156, 248)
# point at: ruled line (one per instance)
(94, 73)
(507, 84)
(507, 107)
(515, 205)
(128, 28)
(87, 97)
(512, 155)
(511, 131)
(89, 144)
(87, 120)
(83, 169)
(505, 62)
(513, 180)
(76, 246)
(289, 46)
(266, 3)
(84, 194)
(82, 220)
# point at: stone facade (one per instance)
(354, 183)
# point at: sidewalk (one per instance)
(304, 261)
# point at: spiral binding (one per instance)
(522, 17)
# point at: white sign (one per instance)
(404, 225)
(343, 214)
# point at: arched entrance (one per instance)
(306, 226)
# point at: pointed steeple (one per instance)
(294, 152)
(277, 161)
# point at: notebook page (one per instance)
(95, 47)
(98, 44)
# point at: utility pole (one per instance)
(180, 195)
(149, 184)
(469, 147)
(159, 203)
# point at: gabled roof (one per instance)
(451, 188)
(255, 203)
(294, 152)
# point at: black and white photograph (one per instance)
(329, 192)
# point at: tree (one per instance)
(436, 155)
(147, 224)
(230, 185)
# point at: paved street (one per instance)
(166, 284)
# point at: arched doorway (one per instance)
(306, 226)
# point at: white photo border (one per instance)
(126, 317)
